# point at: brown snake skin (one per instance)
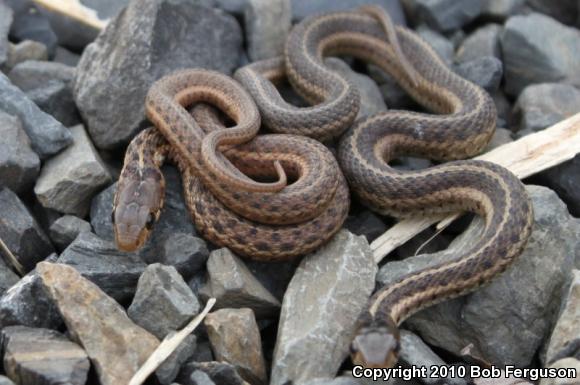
(463, 124)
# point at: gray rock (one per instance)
(482, 42)
(19, 165)
(566, 363)
(485, 71)
(56, 100)
(33, 74)
(66, 57)
(365, 222)
(68, 181)
(371, 100)
(528, 59)
(31, 24)
(198, 377)
(218, 372)
(5, 23)
(565, 339)
(115, 272)
(23, 51)
(20, 231)
(328, 291)
(185, 252)
(105, 8)
(163, 302)
(524, 298)
(46, 134)
(65, 229)
(446, 15)
(5, 381)
(500, 137)
(503, 107)
(72, 32)
(235, 7)
(275, 277)
(332, 381)
(234, 286)
(108, 74)
(7, 277)
(564, 11)
(267, 23)
(43, 356)
(563, 179)
(169, 369)
(501, 10)
(393, 94)
(442, 45)
(304, 8)
(542, 105)
(235, 338)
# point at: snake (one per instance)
(259, 222)
(459, 123)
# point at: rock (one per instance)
(446, 15)
(524, 298)
(113, 271)
(30, 24)
(542, 105)
(66, 57)
(567, 364)
(480, 43)
(33, 74)
(234, 286)
(563, 179)
(20, 231)
(43, 356)
(366, 223)
(163, 302)
(503, 107)
(528, 59)
(5, 381)
(108, 74)
(7, 278)
(24, 51)
(564, 11)
(235, 338)
(19, 165)
(185, 252)
(105, 9)
(68, 181)
(267, 23)
(304, 8)
(565, 339)
(198, 377)
(116, 346)
(500, 137)
(441, 45)
(328, 291)
(47, 135)
(26, 303)
(56, 99)
(5, 22)
(501, 10)
(393, 95)
(414, 352)
(371, 100)
(169, 369)
(218, 372)
(66, 228)
(486, 72)
(275, 277)
(333, 381)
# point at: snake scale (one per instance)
(460, 125)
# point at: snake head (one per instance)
(138, 203)
(376, 345)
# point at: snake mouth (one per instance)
(129, 241)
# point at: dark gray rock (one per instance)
(19, 165)
(218, 372)
(109, 76)
(43, 356)
(393, 95)
(47, 135)
(24, 51)
(56, 100)
(69, 180)
(33, 74)
(7, 277)
(5, 23)
(105, 9)
(64, 56)
(365, 222)
(485, 71)
(542, 105)
(198, 377)
(500, 10)
(304, 8)
(65, 229)
(500, 137)
(482, 42)
(275, 277)
(525, 298)
(528, 59)
(185, 252)
(169, 369)
(445, 15)
(234, 286)
(115, 272)
(563, 179)
(442, 45)
(503, 107)
(31, 24)
(163, 302)
(564, 11)
(20, 231)
(267, 23)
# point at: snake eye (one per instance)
(150, 221)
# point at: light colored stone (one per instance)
(267, 23)
(482, 42)
(568, 364)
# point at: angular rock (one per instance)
(234, 286)
(24, 51)
(275, 277)
(56, 100)
(524, 298)
(66, 228)
(563, 179)
(5, 22)
(5, 381)
(33, 74)
(267, 23)
(235, 338)
(501, 10)
(20, 231)
(66, 57)
(528, 59)
(72, 32)
(566, 363)
(113, 271)
(169, 369)
(565, 339)
(366, 223)
(185, 252)
(7, 278)
(68, 181)
(500, 137)
(43, 356)
(542, 105)
(446, 15)
(564, 11)
(441, 45)
(304, 8)
(31, 24)
(116, 346)
(46, 134)
(108, 74)
(163, 302)
(19, 165)
(198, 377)
(485, 71)
(218, 373)
(371, 100)
(503, 107)
(482, 42)
(329, 290)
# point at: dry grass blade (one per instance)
(11, 258)
(75, 10)
(168, 345)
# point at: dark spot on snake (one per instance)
(276, 237)
(199, 208)
(286, 246)
(253, 232)
(256, 205)
(231, 223)
(262, 246)
(218, 227)
(214, 210)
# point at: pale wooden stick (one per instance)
(168, 345)
(11, 258)
(75, 10)
(524, 157)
